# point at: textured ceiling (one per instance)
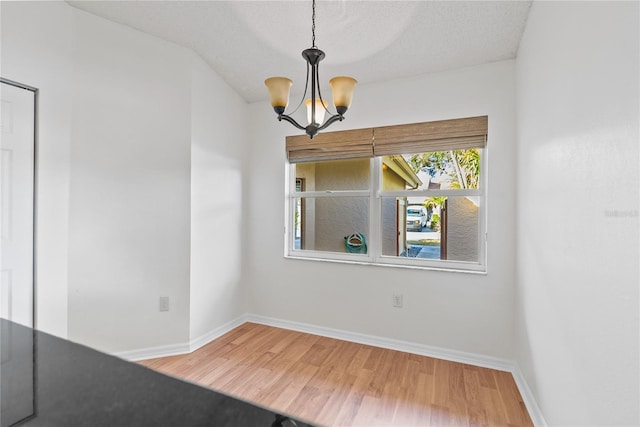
(248, 41)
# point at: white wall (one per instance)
(577, 301)
(218, 135)
(467, 312)
(130, 187)
(36, 49)
(120, 113)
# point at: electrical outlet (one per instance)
(397, 300)
(164, 303)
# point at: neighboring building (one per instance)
(460, 229)
(396, 175)
(459, 222)
(324, 222)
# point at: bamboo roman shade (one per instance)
(346, 144)
(443, 135)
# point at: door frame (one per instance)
(36, 93)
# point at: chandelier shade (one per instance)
(320, 108)
(342, 89)
(279, 91)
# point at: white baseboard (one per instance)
(205, 339)
(420, 349)
(176, 349)
(389, 343)
(527, 396)
(153, 352)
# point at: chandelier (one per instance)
(341, 88)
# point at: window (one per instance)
(409, 195)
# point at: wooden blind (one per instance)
(346, 144)
(456, 134)
(443, 135)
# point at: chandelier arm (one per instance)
(319, 93)
(314, 70)
(306, 86)
(330, 120)
(291, 120)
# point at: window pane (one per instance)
(445, 228)
(461, 224)
(436, 170)
(393, 233)
(322, 224)
(334, 175)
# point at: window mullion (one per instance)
(289, 208)
(320, 194)
(431, 193)
(375, 225)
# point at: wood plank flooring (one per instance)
(330, 382)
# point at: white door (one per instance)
(17, 211)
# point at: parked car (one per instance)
(417, 217)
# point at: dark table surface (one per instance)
(48, 381)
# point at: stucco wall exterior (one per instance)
(394, 240)
(462, 229)
(327, 221)
(306, 172)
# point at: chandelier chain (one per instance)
(279, 88)
(313, 24)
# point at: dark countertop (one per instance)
(48, 381)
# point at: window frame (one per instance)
(375, 194)
(374, 254)
(290, 251)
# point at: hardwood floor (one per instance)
(331, 382)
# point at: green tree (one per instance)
(433, 202)
(467, 166)
(462, 166)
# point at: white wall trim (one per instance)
(205, 339)
(527, 396)
(184, 348)
(153, 352)
(420, 349)
(388, 343)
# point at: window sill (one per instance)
(481, 270)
